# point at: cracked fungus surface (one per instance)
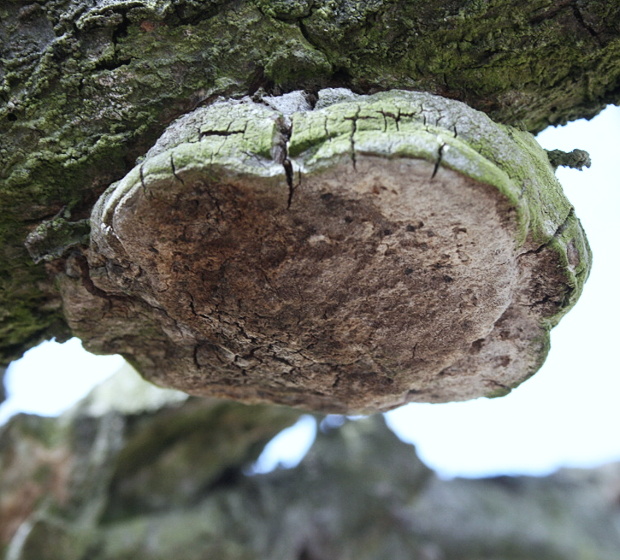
(347, 254)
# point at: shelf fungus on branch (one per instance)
(343, 253)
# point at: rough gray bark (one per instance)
(87, 87)
(115, 482)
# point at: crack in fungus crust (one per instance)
(347, 256)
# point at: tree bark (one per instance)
(155, 478)
(87, 87)
(86, 90)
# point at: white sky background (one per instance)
(568, 414)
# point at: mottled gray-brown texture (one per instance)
(369, 252)
(86, 88)
(167, 478)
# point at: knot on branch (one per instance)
(351, 254)
(576, 159)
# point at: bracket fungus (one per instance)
(344, 253)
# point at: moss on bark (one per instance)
(85, 88)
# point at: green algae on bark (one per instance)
(352, 256)
(86, 89)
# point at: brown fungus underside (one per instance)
(349, 254)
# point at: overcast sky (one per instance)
(566, 415)
(569, 412)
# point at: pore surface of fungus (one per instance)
(346, 254)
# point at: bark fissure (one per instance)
(579, 17)
(174, 170)
(440, 150)
(106, 78)
(495, 383)
(143, 183)
(570, 217)
(225, 133)
(285, 129)
(353, 121)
